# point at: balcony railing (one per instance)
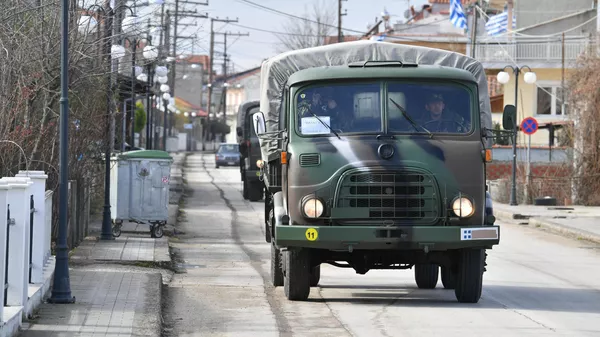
(532, 51)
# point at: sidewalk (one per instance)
(117, 284)
(575, 221)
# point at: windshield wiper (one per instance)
(327, 126)
(405, 114)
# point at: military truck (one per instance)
(374, 157)
(253, 187)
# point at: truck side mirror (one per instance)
(239, 131)
(258, 121)
(509, 117)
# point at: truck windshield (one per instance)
(249, 127)
(410, 107)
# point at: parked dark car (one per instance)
(253, 189)
(227, 155)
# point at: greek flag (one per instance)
(457, 16)
(497, 24)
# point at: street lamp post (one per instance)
(166, 97)
(530, 78)
(161, 73)
(61, 289)
(112, 52)
(130, 27)
(150, 53)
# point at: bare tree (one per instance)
(30, 93)
(584, 99)
(320, 22)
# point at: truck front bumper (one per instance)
(344, 238)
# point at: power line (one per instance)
(413, 26)
(295, 16)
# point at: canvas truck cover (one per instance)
(276, 71)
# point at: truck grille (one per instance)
(396, 195)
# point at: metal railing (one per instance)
(9, 222)
(528, 50)
(31, 215)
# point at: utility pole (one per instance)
(225, 84)
(225, 57)
(211, 63)
(165, 113)
(177, 16)
(340, 14)
(474, 29)
(509, 19)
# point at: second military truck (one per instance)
(250, 154)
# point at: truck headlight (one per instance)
(312, 208)
(259, 163)
(463, 207)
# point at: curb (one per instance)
(504, 215)
(559, 228)
(151, 322)
(554, 227)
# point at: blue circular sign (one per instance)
(529, 125)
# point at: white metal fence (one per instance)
(25, 239)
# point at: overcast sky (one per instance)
(247, 52)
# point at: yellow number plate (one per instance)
(311, 234)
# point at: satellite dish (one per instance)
(407, 14)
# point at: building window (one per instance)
(549, 100)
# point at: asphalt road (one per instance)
(536, 284)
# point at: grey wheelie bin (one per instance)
(139, 192)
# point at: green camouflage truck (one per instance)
(374, 157)
(250, 154)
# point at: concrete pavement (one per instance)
(579, 222)
(537, 284)
(117, 284)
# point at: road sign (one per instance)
(529, 125)
(188, 126)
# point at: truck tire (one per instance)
(276, 270)
(245, 189)
(469, 279)
(297, 274)
(255, 192)
(426, 275)
(315, 276)
(448, 278)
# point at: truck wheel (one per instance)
(276, 271)
(469, 279)
(315, 275)
(426, 275)
(448, 279)
(255, 192)
(297, 274)
(245, 189)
